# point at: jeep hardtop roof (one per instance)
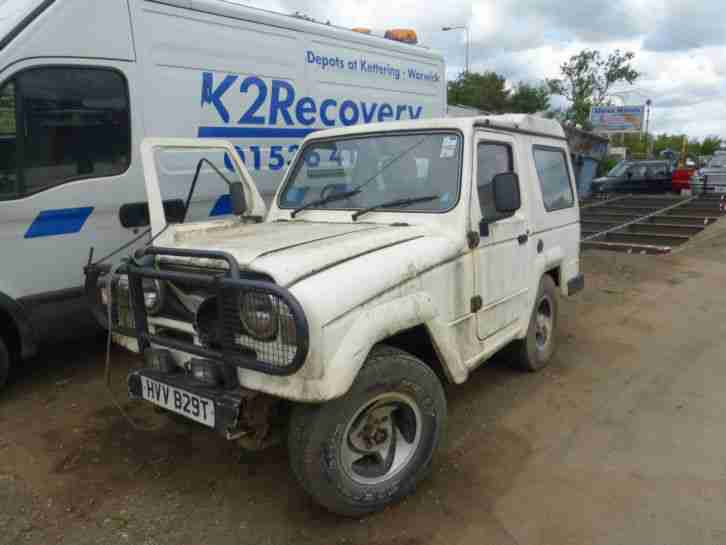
(523, 123)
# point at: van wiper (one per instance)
(330, 198)
(394, 204)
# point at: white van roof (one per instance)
(514, 122)
(227, 8)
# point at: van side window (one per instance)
(72, 123)
(492, 159)
(554, 178)
(8, 142)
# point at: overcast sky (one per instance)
(680, 45)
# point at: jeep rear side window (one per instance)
(492, 159)
(72, 123)
(554, 178)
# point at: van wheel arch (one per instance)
(16, 330)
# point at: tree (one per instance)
(588, 79)
(486, 91)
(530, 99)
(710, 144)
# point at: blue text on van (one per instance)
(277, 103)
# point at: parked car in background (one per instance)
(681, 178)
(712, 178)
(635, 177)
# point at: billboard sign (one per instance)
(617, 118)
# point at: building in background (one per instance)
(587, 150)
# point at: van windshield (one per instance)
(372, 170)
(13, 13)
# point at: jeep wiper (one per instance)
(394, 204)
(330, 198)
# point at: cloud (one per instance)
(680, 45)
(687, 24)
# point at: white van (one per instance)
(82, 82)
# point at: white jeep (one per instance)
(395, 257)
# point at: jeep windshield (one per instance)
(375, 171)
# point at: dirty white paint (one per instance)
(362, 282)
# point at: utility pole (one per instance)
(466, 28)
(648, 104)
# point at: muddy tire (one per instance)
(536, 350)
(4, 364)
(371, 447)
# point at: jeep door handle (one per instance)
(523, 238)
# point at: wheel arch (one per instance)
(419, 342)
(398, 322)
(16, 329)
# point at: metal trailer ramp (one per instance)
(646, 224)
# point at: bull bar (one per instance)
(227, 288)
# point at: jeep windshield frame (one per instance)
(393, 148)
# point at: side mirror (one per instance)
(630, 175)
(507, 199)
(237, 198)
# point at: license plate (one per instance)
(179, 401)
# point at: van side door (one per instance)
(501, 256)
(65, 170)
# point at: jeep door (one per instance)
(501, 256)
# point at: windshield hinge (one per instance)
(473, 238)
(476, 304)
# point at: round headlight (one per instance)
(153, 295)
(259, 315)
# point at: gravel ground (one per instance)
(620, 440)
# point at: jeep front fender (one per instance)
(375, 324)
(350, 339)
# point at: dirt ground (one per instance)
(621, 440)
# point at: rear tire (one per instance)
(4, 364)
(356, 454)
(535, 351)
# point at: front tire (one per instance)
(371, 447)
(535, 351)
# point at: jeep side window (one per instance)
(72, 123)
(492, 159)
(554, 178)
